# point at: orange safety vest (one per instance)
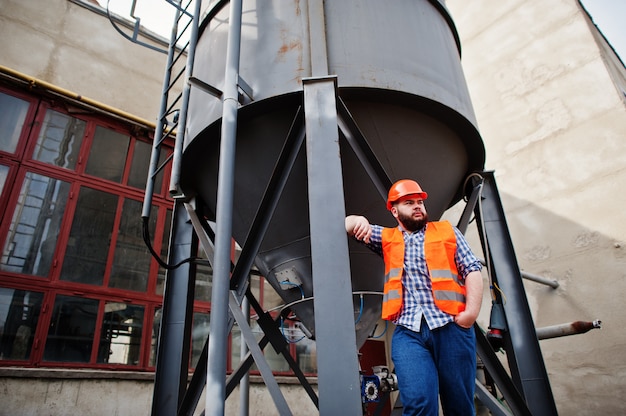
(439, 249)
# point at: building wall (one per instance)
(553, 120)
(73, 48)
(31, 392)
(549, 99)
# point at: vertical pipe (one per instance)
(172, 363)
(218, 339)
(158, 133)
(180, 135)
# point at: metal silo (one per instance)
(398, 72)
(296, 112)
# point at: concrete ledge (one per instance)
(55, 373)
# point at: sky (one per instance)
(608, 15)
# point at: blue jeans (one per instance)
(428, 363)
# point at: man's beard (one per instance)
(411, 224)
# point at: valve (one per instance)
(382, 381)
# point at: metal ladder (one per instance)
(174, 106)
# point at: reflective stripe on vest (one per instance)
(439, 249)
(393, 253)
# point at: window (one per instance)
(120, 334)
(87, 248)
(32, 235)
(78, 286)
(60, 140)
(131, 262)
(107, 156)
(19, 316)
(71, 330)
(12, 120)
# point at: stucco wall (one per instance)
(554, 124)
(72, 47)
(553, 121)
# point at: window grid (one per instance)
(43, 133)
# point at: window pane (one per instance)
(141, 165)
(4, 172)
(59, 140)
(276, 361)
(131, 264)
(271, 299)
(306, 352)
(204, 279)
(35, 226)
(156, 330)
(90, 237)
(12, 115)
(71, 331)
(120, 336)
(19, 314)
(107, 156)
(199, 336)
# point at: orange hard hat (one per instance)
(402, 188)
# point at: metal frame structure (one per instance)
(322, 122)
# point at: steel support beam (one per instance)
(172, 363)
(337, 363)
(361, 148)
(523, 352)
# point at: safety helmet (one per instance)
(402, 188)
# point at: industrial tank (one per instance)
(398, 71)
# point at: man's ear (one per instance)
(394, 211)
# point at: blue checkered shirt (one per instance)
(417, 294)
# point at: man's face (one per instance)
(410, 212)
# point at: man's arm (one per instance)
(473, 300)
(359, 227)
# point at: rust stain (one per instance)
(293, 45)
(298, 11)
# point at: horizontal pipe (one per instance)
(535, 278)
(573, 328)
(34, 82)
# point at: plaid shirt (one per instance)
(417, 294)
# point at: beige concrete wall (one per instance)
(554, 124)
(72, 47)
(32, 392)
(553, 118)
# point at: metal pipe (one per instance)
(572, 328)
(535, 278)
(34, 82)
(218, 339)
(180, 137)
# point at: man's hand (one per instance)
(359, 227)
(473, 300)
